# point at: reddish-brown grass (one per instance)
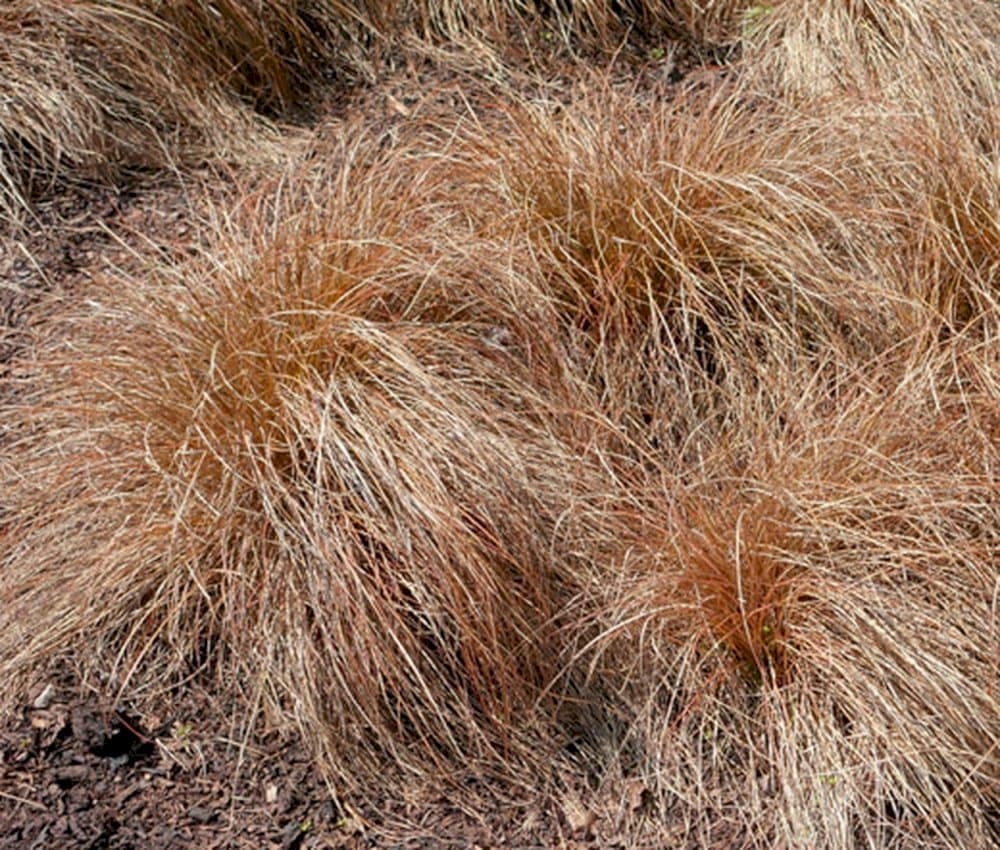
(694, 247)
(820, 589)
(664, 424)
(325, 473)
(272, 54)
(899, 48)
(93, 89)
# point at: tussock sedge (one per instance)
(807, 618)
(329, 474)
(807, 48)
(897, 47)
(757, 297)
(946, 186)
(652, 437)
(88, 90)
(720, 231)
(269, 54)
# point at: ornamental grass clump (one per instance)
(322, 467)
(90, 90)
(652, 438)
(945, 187)
(492, 25)
(807, 620)
(806, 48)
(270, 54)
(904, 50)
(693, 246)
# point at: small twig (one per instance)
(34, 804)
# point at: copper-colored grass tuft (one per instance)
(90, 89)
(693, 245)
(731, 566)
(947, 191)
(808, 621)
(488, 22)
(324, 469)
(899, 48)
(271, 54)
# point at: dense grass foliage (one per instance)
(720, 231)
(92, 89)
(809, 596)
(654, 435)
(907, 49)
(334, 465)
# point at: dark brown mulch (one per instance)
(76, 772)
